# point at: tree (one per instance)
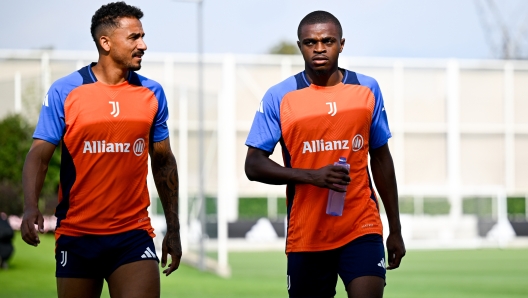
(285, 47)
(15, 141)
(505, 32)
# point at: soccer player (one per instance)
(107, 119)
(318, 116)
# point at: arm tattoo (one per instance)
(165, 172)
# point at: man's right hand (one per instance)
(32, 217)
(328, 176)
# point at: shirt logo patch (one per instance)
(115, 108)
(357, 142)
(139, 146)
(382, 263)
(64, 258)
(333, 108)
(148, 254)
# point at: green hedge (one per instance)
(251, 208)
(15, 140)
(248, 208)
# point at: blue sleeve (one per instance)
(160, 131)
(51, 123)
(266, 131)
(379, 128)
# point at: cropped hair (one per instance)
(107, 17)
(319, 17)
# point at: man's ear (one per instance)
(299, 45)
(342, 45)
(105, 43)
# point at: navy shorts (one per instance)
(314, 274)
(97, 256)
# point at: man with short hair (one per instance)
(318, 116)
(107, 119)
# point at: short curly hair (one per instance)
(108, 16)
(319, 17)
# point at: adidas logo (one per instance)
(382, 263)
(148, 254)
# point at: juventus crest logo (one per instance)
(64, 258)
(115, 108)
(333, 108)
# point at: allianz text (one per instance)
(322, 145)
(103, 146)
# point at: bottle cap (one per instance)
(342, 159)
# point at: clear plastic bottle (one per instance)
(336, 200)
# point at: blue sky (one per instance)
(379, 28)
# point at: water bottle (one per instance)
(336, 200)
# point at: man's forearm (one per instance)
(390, 202)
(267, 171)
(385, 180)
(259, 167)
(165, 174)
(34, 171)
(388, 190)
(33, 176)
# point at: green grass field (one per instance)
(465, 273)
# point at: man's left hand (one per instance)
(171, 245)
(395, 250)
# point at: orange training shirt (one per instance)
(315, 126)
(105, 132)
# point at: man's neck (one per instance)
(106, 71)
(330, 78)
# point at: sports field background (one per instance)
(451, 273)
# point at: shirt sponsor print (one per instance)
(322, 145)
(108, 147)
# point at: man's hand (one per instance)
(32, 217)
(328, 176)
(171, 245)
(395, 250)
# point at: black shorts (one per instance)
(97, 256)
(314, 274)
